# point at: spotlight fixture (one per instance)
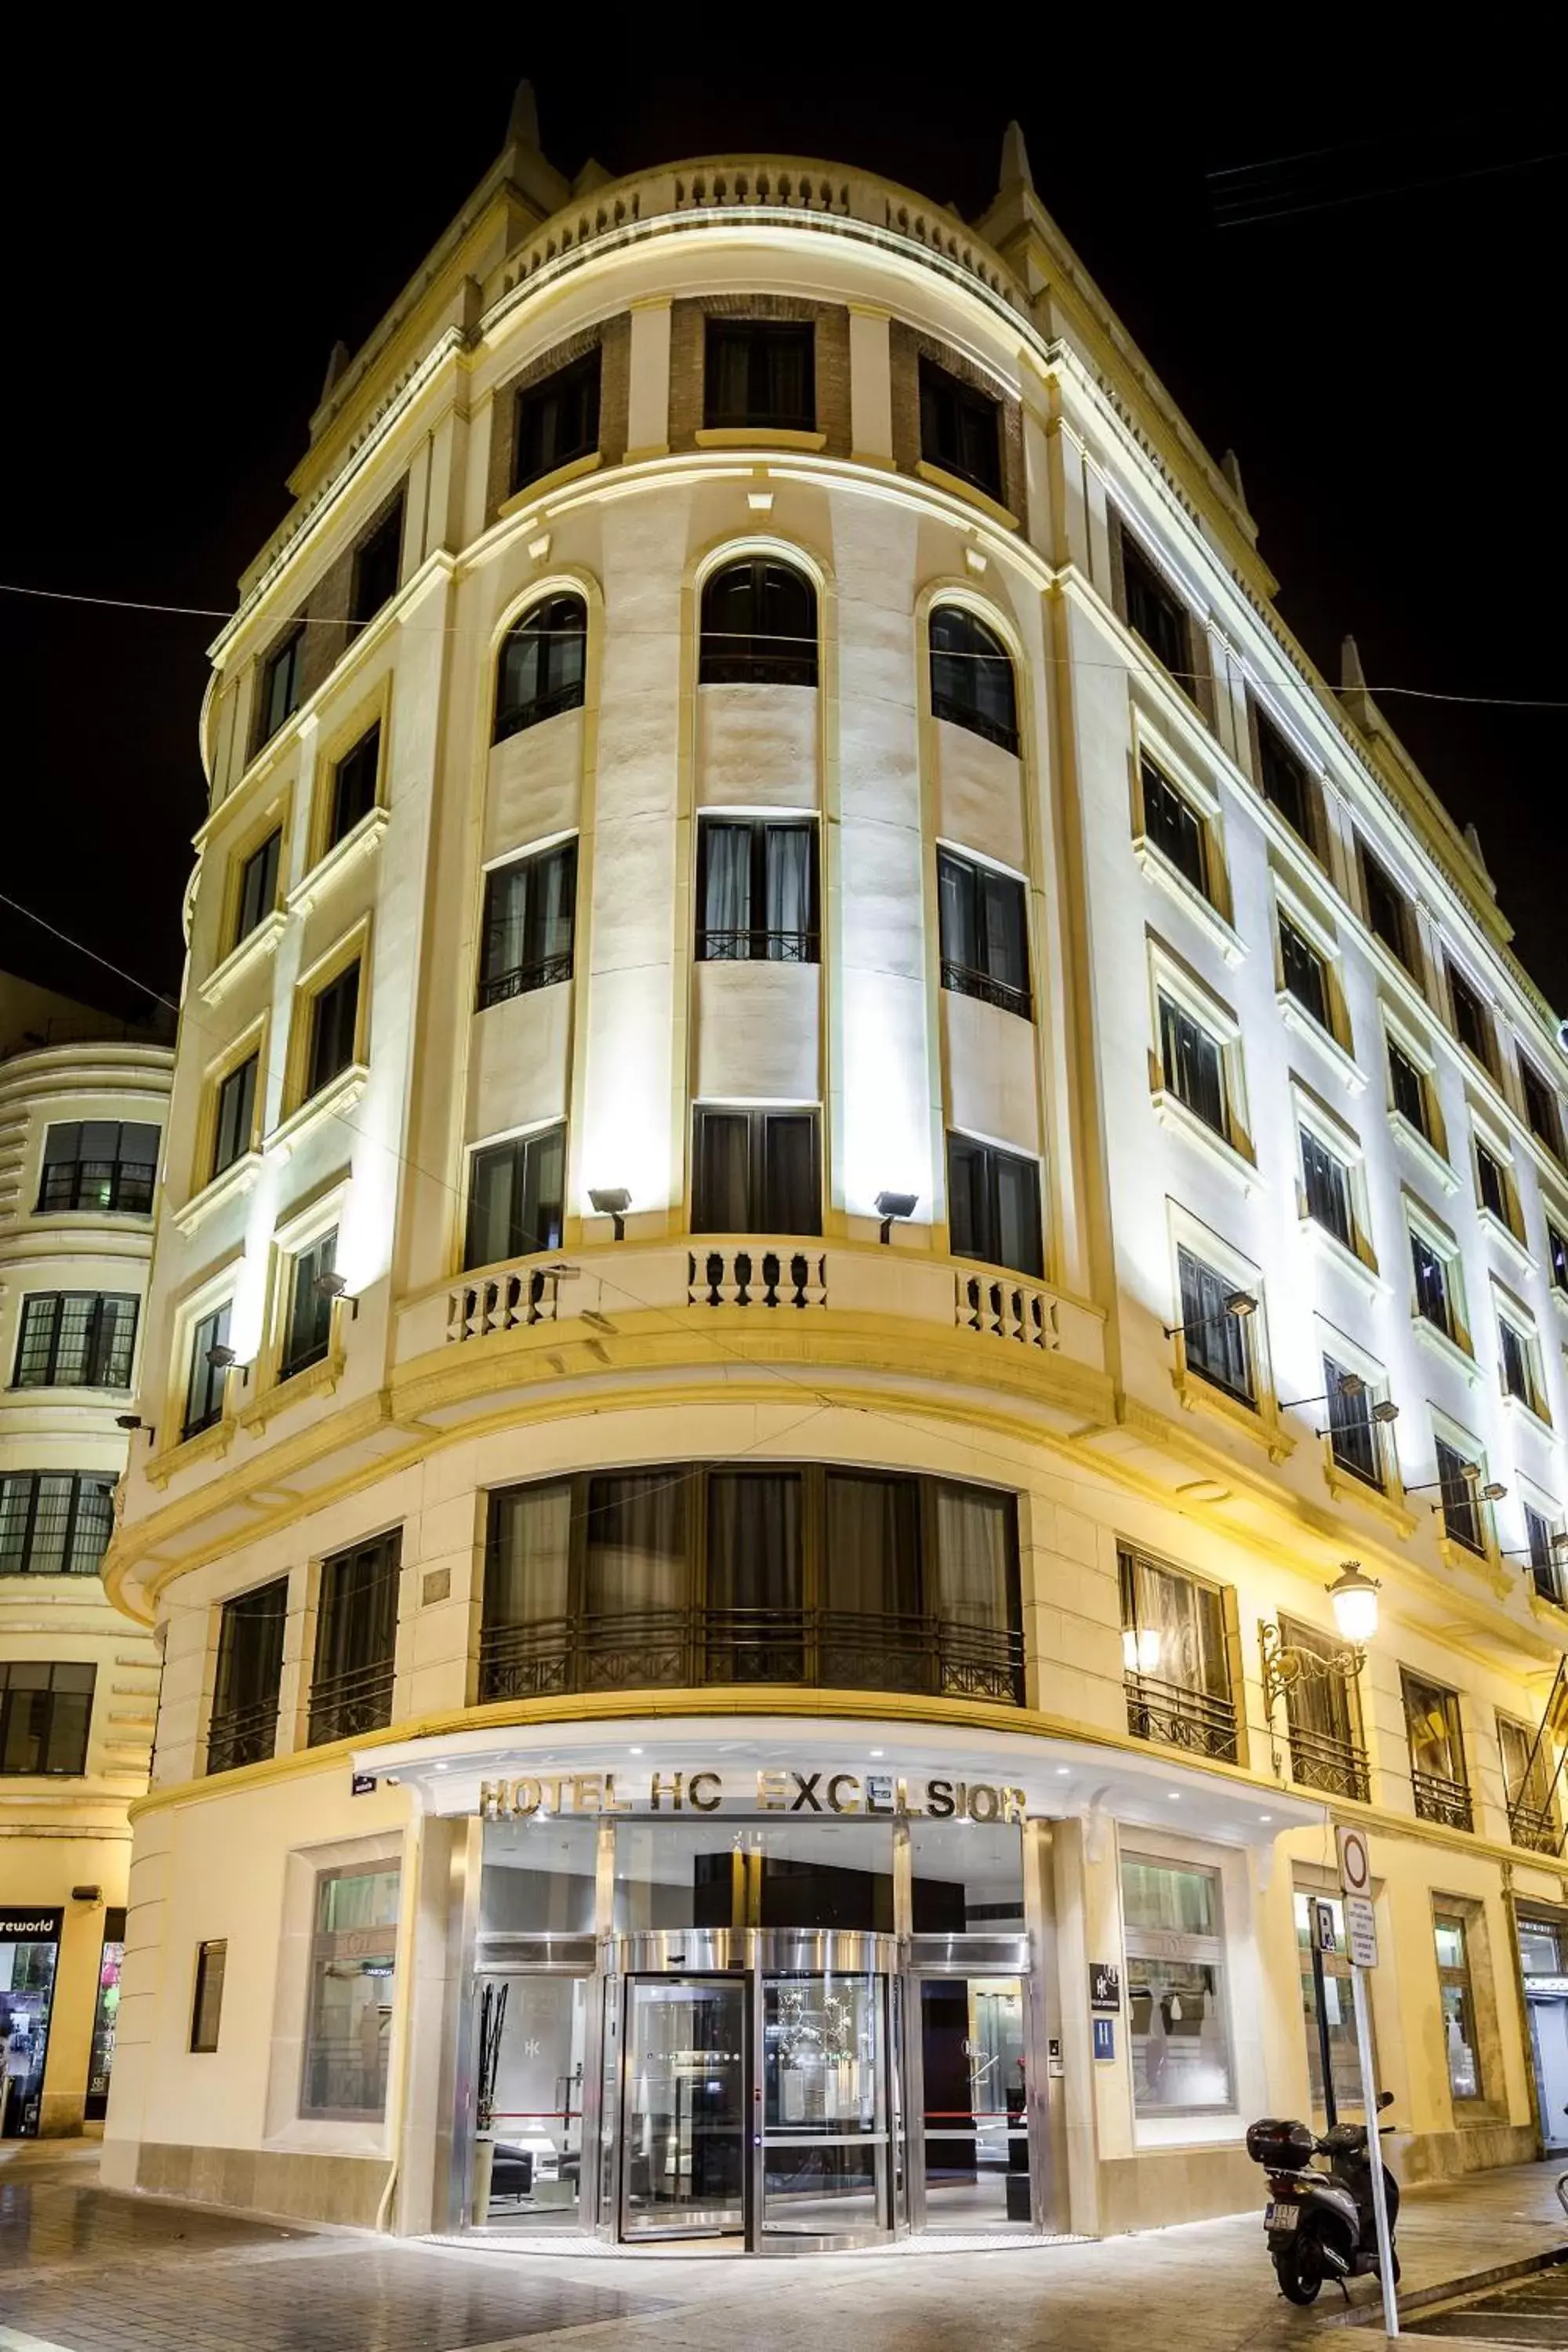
(611, 1200)
(1385, 1410)
(220, 1358)
(128, 1421)
(1493, 1493)
(329, 1283)
(1468, 1471)
(1239, 1304)
(892, 1207)
(1351, 1385)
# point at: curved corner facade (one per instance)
(80, 1135)
(836, 1134)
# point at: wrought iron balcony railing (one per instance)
(1319, 1759)
(242, 1735)
(978, 723)
(964, 980)
(758, 946)
(1442, 1801)
(546, 971)
(689, 1648)
(1178, 1718)
(347, 1705)
(1535, 1826)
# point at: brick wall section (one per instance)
(908, 347)
(688, 333)
(1199, 688)
(613, 339)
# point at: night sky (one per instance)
(187, 244)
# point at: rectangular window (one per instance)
(1541, 1543)
(1460, 2037)
(1339, 2002)
(1324, 1723)
(54, 1522)
(234, 1129)
(994, 1206)
(378, 559)
(1175, 830)
(760, 372)
(1386, 910)
(557, 421)
(353, 1962)
(530, 913)
(961, 429)
(1175, 1658)
(1557, 1251)
(516, 1193)
(1437, 1752)
(353, 785)
(101, 1164)
(243, 1728)
(1304, 974)
(1430, 1272)
(1472, 1026)
(1529, 1776)
(1217, 1342)
(1491, 1185)
(45, 1712)
(1327, 1189)
(756, 1172)
(75, 1339)
(1408, 1089)
(756, 889)
(356, 1641)
(282, 685)
(1457, 1482)
(1192, 1063)
(983, 918)
(1156, 613)
(1541, 1108)
(206, 2004)
(308, 1302)
(258, 886)
(205, 1381)
(1284, 778)
(1352, 1433)
(1516, 1359)
(1176, 2022)
(334, 1019)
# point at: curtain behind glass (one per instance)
(955, 909)
(528, 1559)
(975, 1551)
(792, 1203)
(637, 1544)
(754, 1541)
(873, 1545)
(506, 910)
(788, 855)
(727, 884)
(1018, 1243)
(357, 1626)
(1007, 957)
(721, 1202)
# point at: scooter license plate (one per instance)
(1281, 2217)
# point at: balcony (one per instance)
(686, 1649)
(963, 980)
(1446, 1801)
(244, 1735)
(758, 946)
(1535, 1827)
(1178, 1718)
(546, 971)
(1319, 1759)
(350, 1704)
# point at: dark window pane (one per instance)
(636, 1551)
(102, 1165)
(377, 561)
(45, 1714)
(756, 1172)
(972, 679)
(1174, 828)
(760, 372)
(1352, 1433)
(1385, 908)
(756, 891)
(1541, 1109)
(356, 1637)
(557, 421)
(1305, 978)
(281, 679)
(1193, 1068)
(1327, 1188)
(1462, 1510)
(334, 1016)
(1284, 779)
(258, 886)
(353, 785)
(206, 2006)
(872, 1561)
(543, 664)
(994, 1206)
(205, 1381)
(529, 922)
(1157, 615)
(759, 627)
(1431, 1283)
(1557, 1250)
(1409, 1089)
(961, 429)
(54, 1522)
(983, 924)
(234, 1130)
(517, 1195)
(1517, 1373)
(1472, 1024)
(1491, 1184)
(244, 1724)
(1216, 1343)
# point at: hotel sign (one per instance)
(888, 1795)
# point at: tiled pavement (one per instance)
(89, 2271)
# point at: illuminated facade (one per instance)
(836, 1134)
(81, 1125)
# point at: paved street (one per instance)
(89, 2271)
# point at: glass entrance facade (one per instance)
(29, 1952)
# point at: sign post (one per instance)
(1360, 1934)
(1323, 1940)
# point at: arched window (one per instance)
(542, 665)
(972, 677)
(759, 626)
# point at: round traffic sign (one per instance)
(1355, 1861)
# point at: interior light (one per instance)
(1063, 1770)
(1266, 1817)
(1354, 1600)
(1141, 1648)
(1176, 1797)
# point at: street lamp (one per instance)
(1353, 1599)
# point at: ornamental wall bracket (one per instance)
(1285, 1664)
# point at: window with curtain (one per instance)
(308, 1323)
(759, 626)
(1173, 1635)
(99, 1163)
(960, 428)
(353, 785)
(334, 1023)
(1214, 1343)
(543, 666)
(755, 1584)
(972, 680)
(517, 1195)
(872, 1565)
(205, 1381)
(1530, 1783)
(557, 420)
(528, 1554)
(243, 1726)
(530, 907)
(75, 1339)
(983, 920)
(994, 1206)
(356, 1640)
(760, 372)
(1304, 974)
(1192, 1063)
(1176, 2020)
(234, 1126)
(635, 1559)
(1324, 1719)
(54, 1522)
(1175, 827)
(756, 1172)
(976, 1557)
(1437, 1776)
(756, 889)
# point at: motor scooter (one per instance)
(1320, 2225)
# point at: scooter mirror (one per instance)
(1385, 2099)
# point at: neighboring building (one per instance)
(779, 910)
(81, 1129)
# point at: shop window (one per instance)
(1324, 1720)
(282, 685)
(972, 681)
(1156, 613)
(1353, 1430)
(334, 1025)
(234, 1126)
(243, 1726)
(1175, 827)
(1339, 2005)
(206, 2002)
(1216, 1343)
(756, 888)
(45, 1714)
(994, 1206)
(759, 626)
(1542, 1108)
(543, 666)
(105, 2015)
(1191, 1064)
(1457, 1479)
(1472, 1024)
(75, 1339)
(206, 1381)
(756, 1172)
(1407, 1090)
(760, 372)
(1540, 1948)
(1304, 974)
(1175, 1989)
(377, 561)
(557, 421)
(961, 429)
(1461, 2042)
(983, 917)
(1327, 1186)
(1529, 1780)
(355, 778)
(356, 1641)
(530, 910)
(1175, 1654)
(348, 2032)
(257, 894)
(54, 1522)
(1438, 1778)
(1283, 775)
(308, 1293)
(27, 1963)
(1387, 913)
(516, 1193)
(106, 1165)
